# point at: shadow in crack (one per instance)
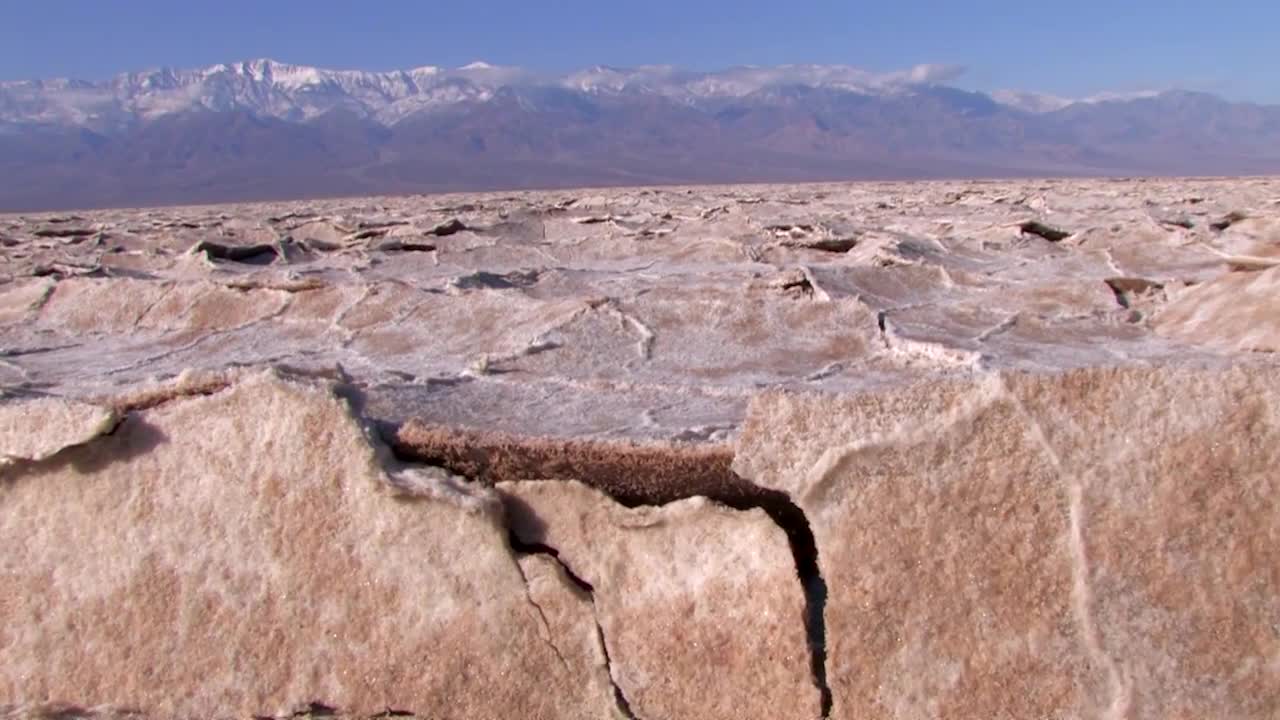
(804, 549)
(633, 475)
(535, 526)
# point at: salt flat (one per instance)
(648, 314)
(875, 450)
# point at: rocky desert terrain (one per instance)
(874, 450)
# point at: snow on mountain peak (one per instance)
(267, 87)
(1043, 103)
(1030, 101)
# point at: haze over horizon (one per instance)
(1080, 51)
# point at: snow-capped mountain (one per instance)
(1042, 102)
(263, 87)
(273, 89)
(264, 129)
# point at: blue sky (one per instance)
(1073, 48)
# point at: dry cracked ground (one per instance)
(948, 450)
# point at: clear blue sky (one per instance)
(1067, 47)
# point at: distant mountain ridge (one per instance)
(296, 92)
(262, 129)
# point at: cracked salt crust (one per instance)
(1018, 450)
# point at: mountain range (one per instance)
(268, 130)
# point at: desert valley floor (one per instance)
(875, 450)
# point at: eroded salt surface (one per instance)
(646, 314)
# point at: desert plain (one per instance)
(964, 449)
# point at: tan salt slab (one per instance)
(700, 606)
(20, 300)
(707, 337)
(128, 306)
(569, 624)
(1239, 311)
(1257, 236)
(36, 429)
(1092, 544)
(247, 553)
(949, 593)
(1177, 520)
(110, 306)
(484, 324)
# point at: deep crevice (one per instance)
(255, 254)
(619, 699)
(452, 226)
(64, 233)
(320, 710)
(524, 548)
(527, 548)
(1228, 220)
(882, 326)
(1047, 232)
(804, 551)
(633, 475)
(1126, 289)
(542, 614)
(801, 286)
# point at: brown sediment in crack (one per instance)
(632, 474)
